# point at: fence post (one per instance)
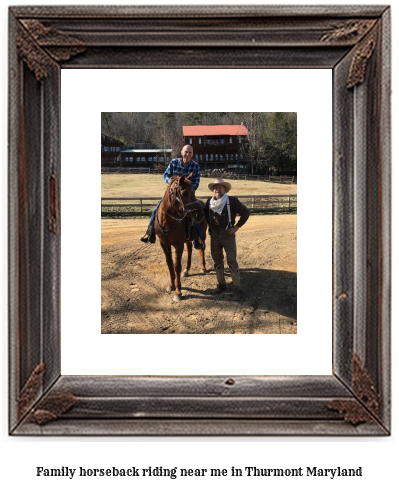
(141, 205)
(252, 202)
(289, 203)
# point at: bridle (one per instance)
(179, 198)
(175, 192)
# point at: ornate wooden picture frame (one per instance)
(354, 42)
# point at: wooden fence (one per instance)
(111, 207)
(130, 170)
(254, 177)
(204, 174)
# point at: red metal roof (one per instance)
(202, 130)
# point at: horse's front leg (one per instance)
(189, 247)
(169, 261)
(178, 253)
(202, 259)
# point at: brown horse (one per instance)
(174, 223)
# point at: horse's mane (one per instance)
(175, 178)
(172, 180)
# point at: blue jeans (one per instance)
(197, 226)
(153, 214)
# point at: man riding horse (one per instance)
(178, 167)
(175, 220)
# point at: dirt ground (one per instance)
(135, 277)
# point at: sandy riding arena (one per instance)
(135, 277)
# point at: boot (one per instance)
(237, 294)
(149, 236)
(221, 280)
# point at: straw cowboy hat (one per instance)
(225, 184)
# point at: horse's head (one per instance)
(184, 194)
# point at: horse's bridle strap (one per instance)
(181, 201)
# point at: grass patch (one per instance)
(153, 185)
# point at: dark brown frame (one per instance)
(353, 41)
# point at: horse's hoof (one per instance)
(177, 297)
(185, 273)
(170, 288)
(203, 271)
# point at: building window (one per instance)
(162, 159)
(131, 159)
(150, 159)
(217, 156)
(105, 149)
(239, 140)
(227, 157)
(155, 159)
(126, 158)
(211, 157)
(196, 157)
(191, 141)
(206, 157)
(201, 156)
(236, 157)
(200, 140)
(118, 149)
(231, 140)
(221, 157)
(222, 140)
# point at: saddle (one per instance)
(192, 234)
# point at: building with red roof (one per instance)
(217, 146)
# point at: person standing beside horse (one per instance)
(178, 167)
(220, 213)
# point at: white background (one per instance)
(20, 456)
(84, 349)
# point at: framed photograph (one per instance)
(137, 292)
(353, 44)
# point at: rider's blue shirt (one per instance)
(176, 168)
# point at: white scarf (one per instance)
(217, 206)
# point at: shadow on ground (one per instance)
(269, 303)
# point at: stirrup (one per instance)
(149, 236)
(199, 243)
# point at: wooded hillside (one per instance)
(272, 141)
